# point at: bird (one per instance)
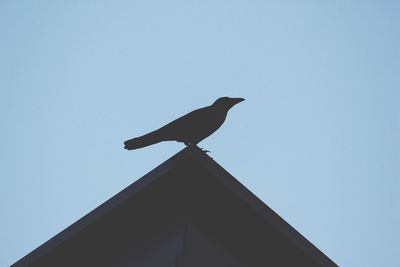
(189, 129)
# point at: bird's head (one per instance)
(227, 102)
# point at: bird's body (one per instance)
(190, 128)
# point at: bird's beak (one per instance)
(236, 100)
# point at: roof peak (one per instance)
(190, 183)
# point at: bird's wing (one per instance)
(185, 124)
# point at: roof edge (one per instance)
(102, 210)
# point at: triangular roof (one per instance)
(187, 196)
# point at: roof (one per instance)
(190, 188)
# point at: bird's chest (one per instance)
(207, 126)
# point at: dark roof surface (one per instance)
(188, 187)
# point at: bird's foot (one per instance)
(205, 150)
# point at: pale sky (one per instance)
(317, 138)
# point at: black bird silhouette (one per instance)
(190, 128)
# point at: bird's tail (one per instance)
(142, 141)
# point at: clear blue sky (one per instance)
(317, 138)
